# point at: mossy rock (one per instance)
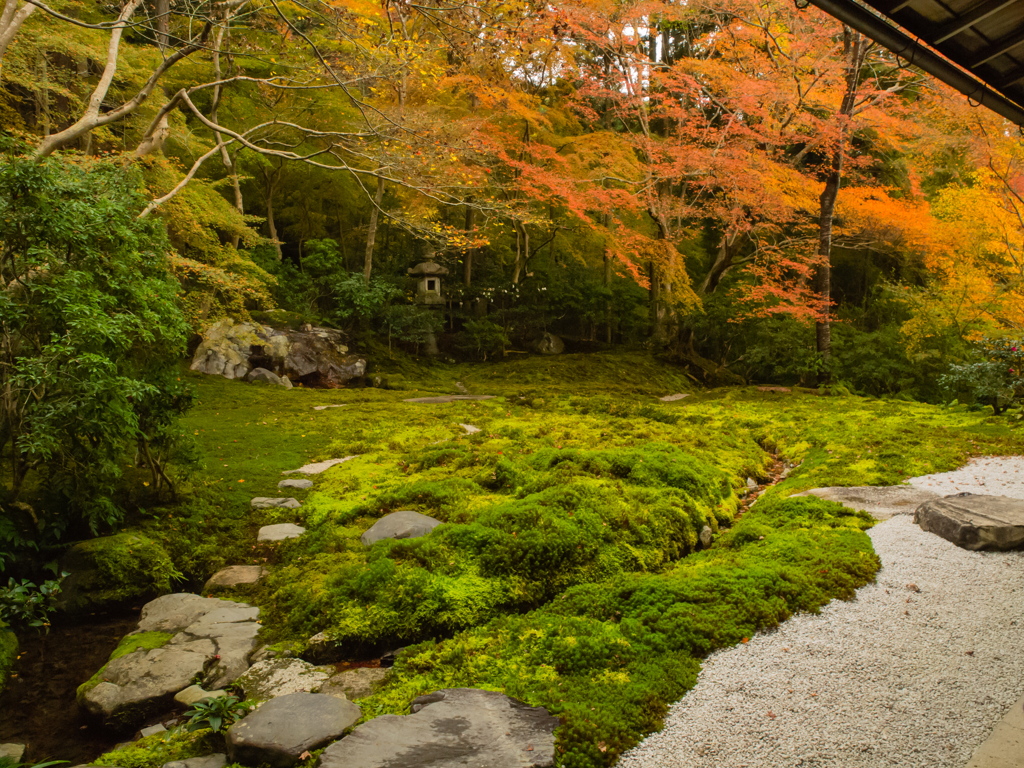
(278, 318)
(114, 571)
(8, 655)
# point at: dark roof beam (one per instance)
(916, 54)
(969, 19)
(1000, 47)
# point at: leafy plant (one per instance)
(996, 380)
(481, 338)
(23, 604)
(216, 714)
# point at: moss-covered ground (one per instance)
(568, 573)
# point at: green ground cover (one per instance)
(568, 573)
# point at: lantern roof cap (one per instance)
(427, 269)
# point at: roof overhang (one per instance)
(975, 47)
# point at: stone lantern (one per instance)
(428, 288)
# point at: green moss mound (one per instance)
(113, 571)
(8, 655)
(159, 749)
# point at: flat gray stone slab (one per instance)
(301, 484)
(280, 532)
(234, 576)
(881, 502)
(325, 407)
(211, 643)
(673, 398)
(318, 467)
(470, 429)
(447, 399)
(15, 752)
(453, 728)
(355, 683)
(279, 732)
(216, 760)
(271, 678)
(265, 502)
(975, 522)
(404, 524)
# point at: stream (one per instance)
(38, 709)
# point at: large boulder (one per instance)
(549, 344)
(975, 522)
(452, 728)
(271, 678)
(279, 732)
(114, 571)
(404, 524)
(180, 639)
(311, 355)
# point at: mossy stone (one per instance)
(113, 571)
(8, 655)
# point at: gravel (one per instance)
(916, 671)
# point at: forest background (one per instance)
(751, 190)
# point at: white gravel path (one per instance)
(896, 677)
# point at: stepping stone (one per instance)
(280, 532)
(195, 693)
(318, 467)
(15, 752)
(447, 399)
(882, 502)
(301, 484)
(673, 398)
(355, 683)
(153, 730)
(975, 522)
(450, 728)
(216, 760)
(279, 732)
(210, 641)
(271, 678)
(404, 524)
(470, 429)
(774, 389)
(264, 502)
(325, 407)
(234, 576)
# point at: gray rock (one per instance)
(315, 356)
(216, 760)
(318, 467)
(882, 502)
(452, 728)
(281, 502)
(279, 732)
(549, 344)
(325, 407)
(355, 683)
(301, 484)
(470, 429)
(673, 398)
(264, 376)
(404, 524)
(975, 522)
(194, 693)
(234, 576)
(280, 532)
(706, 536)
(271, 678)
(153, 730)
(211, 641)
(321, 649)
(15, 752)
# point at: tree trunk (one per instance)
(522, 250)
(163, 10)
(467, 272)
(371, 234)
(271, 183)
(855, 49)
(608, 301)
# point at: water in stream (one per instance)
(38, 707)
